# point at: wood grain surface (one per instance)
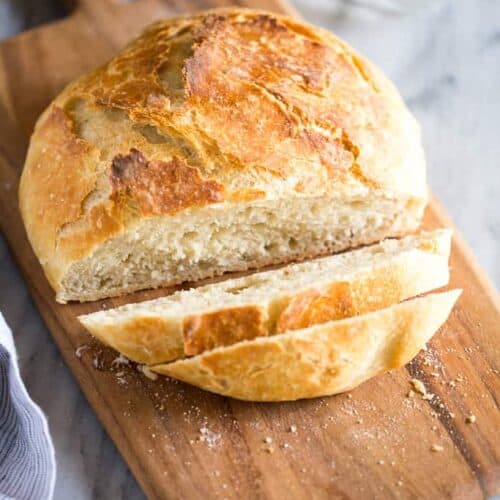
(180, 442)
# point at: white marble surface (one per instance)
(445, 59)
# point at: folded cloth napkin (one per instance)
(27, 461)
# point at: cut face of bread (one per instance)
(268, 303)
(206, 243)
(320, 360)
(221, 141)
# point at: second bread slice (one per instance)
(294, 297)
(320, 360)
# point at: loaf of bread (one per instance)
(222, 141)
(320, 360)
(268, 303)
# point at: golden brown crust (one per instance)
(261, 95)
(58, 177)
(321, 360)
(158, 187)
(203, 332)
(148, 337)
(317, 306)
(239, 104)
(344, 299)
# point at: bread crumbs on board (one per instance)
(436, 448)
(418, 386)
(80, 349)
(120, 361)
(147, 372)
(210, 438)
(97, 362)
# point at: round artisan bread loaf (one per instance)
(225, 140)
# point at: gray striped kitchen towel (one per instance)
(27, 461)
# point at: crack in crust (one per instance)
(156, 187)
(275, 81)
(202, 332)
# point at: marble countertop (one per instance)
(443, 56)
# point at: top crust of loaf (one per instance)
(219, 108)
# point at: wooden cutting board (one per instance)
(183, 443)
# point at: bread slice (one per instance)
(320, 360)
(220, 141)
(266, 303)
